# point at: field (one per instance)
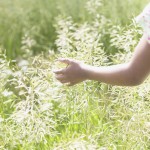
(39, 113)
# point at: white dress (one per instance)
(144, 21)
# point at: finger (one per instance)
(71, 84)
(66, 60)
(60, 77)
(61, 71)
(63, 81)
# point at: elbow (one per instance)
(136, 81)
(134, 77)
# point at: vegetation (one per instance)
(36, 111)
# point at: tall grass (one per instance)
(36, 18)
(36, 111)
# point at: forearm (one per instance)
(115, 75)
(130, 74)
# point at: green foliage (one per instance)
(36, 18)
(36, 111)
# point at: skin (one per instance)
(132, 73)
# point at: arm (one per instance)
(130, 74)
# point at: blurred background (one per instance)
(39, 113)
(32, 21)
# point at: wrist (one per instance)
(86, 69)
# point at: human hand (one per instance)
(74, 73)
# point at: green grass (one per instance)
(36, 111)
(37, 18)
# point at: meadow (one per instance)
(39, 113)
